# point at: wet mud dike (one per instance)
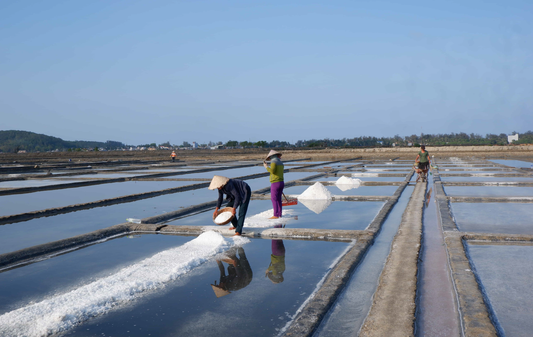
(382, 257)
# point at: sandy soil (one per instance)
(482, 152)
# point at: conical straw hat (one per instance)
(219, 292)
(271, 153)
(218, 181)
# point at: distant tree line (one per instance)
(14, 141)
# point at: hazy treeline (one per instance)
(13, 141)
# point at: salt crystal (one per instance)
(348, 181)
(223, 217)
(317, 191)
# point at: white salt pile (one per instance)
(262, 219)
(61, 312)
(346, 183)
(317, 198)
(317, 191)
(223, 217)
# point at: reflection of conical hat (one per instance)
(218, 181)
(271, 153)
(219, 292)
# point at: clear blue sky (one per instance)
(156, 71)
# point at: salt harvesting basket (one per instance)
(224, 210)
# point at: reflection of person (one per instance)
(428, 197)
(423, 157)
(173, 155)
(239, 273)
(277, 261)
(276, 181)
(238, 192)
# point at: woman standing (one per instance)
(425, 161)
(276, 181)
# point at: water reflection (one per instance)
(316, 205)
(239, 273)
(277, 260)
(428, 196)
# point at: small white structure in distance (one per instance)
(511, 138)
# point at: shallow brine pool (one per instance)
(216, 287)
(23, 203)
(511, 218)
(515, 163)
(489, 191)
(505, 274)
(343, 189)
(350, 215)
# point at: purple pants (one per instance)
(276, 190)
(278, 248)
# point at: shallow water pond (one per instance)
(352, 215)
(78, 267)
(512, 218)
(41, 230)
(346, 190)
(515, 163)
(489, 191)
(189, 305)
(23, 203)
(505, 273)
(362, 178)
(486, 179)
(34, 183)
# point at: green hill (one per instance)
(14, 141)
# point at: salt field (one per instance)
(71, 264)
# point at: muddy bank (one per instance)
(482, 152)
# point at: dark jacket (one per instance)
(236, 190)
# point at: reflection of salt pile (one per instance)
(317, 198)
(223, 217)
(346, 183)
(59, 312)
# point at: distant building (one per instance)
(511, 138)
(194, 145)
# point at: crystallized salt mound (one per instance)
(348, 181)
(58, 313)
(262, 219)
(317, 191)
(317, 205)
(223, 217)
